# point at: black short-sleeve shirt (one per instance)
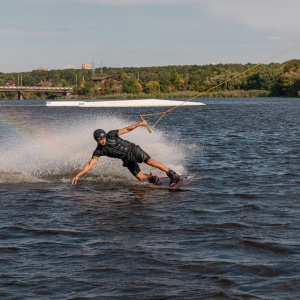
(115, 147)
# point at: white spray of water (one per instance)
(58, 151)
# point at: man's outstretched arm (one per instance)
(85, 169)
(132, 127)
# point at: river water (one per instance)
(234, 233)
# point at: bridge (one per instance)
(67, 91)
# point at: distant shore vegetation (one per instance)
(207, 81)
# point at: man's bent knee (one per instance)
(153, 163)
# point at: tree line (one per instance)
(221, 80)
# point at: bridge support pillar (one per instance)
(20, 95)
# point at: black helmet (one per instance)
(99, 134)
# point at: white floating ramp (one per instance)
(63, 103)
(124, 103)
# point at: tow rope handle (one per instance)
(157, 113)
(149, 129)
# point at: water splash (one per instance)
(56, 147)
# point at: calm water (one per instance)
(234, 233)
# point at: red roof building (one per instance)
(103, 79)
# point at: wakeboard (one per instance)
(164, 181)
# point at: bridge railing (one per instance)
(31, 88)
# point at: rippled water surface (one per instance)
(234, 233)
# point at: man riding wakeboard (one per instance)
(110, 144)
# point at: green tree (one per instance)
(137, 87)
(295, 89)
(63, 83)
(132, 86)
(28, 80)
(79, 80)
(89, 90)
(176, 79)
(152, 87)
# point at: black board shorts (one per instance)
(132, 162)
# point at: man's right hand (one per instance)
(75, 179)
(85, 169)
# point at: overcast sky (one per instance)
(58, 34)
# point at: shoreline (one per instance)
(173, 95)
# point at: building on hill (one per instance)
(108, 84)
(10, 83)
(86, 66)
(104, 79)
(42, 69)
